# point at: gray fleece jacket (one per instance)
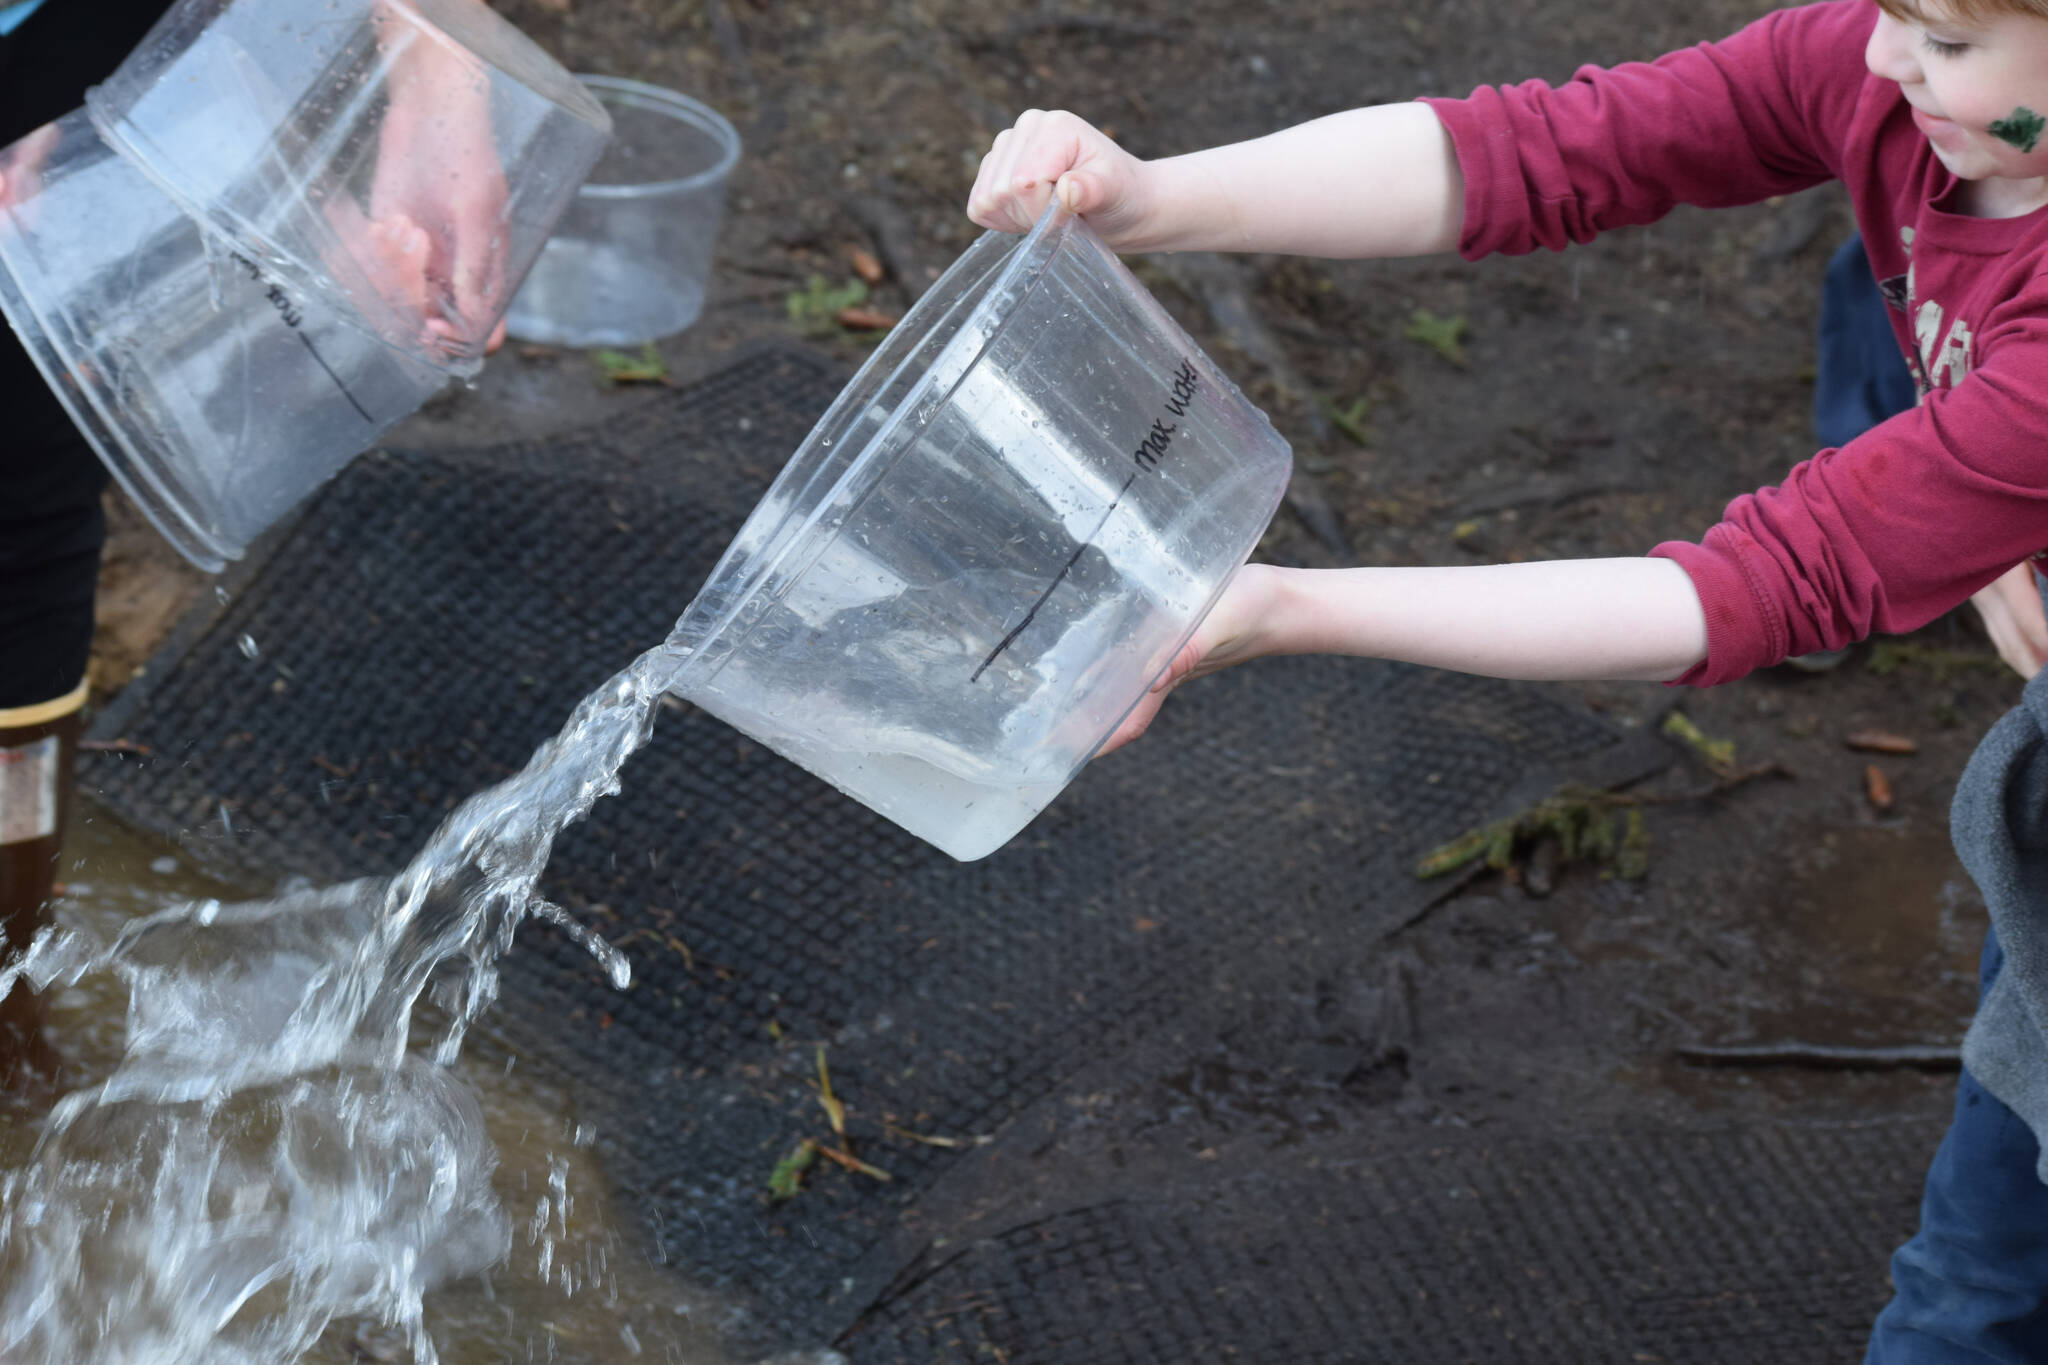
(1999, 823)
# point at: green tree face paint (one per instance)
(2021, 128)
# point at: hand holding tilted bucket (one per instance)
(406, 158)
(990, 546)
(274, 233)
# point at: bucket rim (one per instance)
(684, 109)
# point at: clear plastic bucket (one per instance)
(216, 395)
(990, 546)
(629, 260)
(405, 158)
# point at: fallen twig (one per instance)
(1825, 1056)
(1575, 816)
(854, 1163)
(835, 1112)
(1717, 754)
(933, 1140)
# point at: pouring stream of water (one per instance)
(269, 1154)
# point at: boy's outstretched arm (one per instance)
(1561, 619)
(1380, 181)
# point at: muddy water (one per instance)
(1873, 940)
(576, 1286)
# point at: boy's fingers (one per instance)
(1023, 169)
(979, 198)
(1005, 158)
(1080, 194)
(1135, 723)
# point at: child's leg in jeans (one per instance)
(1972, 1284)
(1860, 377)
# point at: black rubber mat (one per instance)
(434, 616)
(1723, 1246)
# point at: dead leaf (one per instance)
(1880, 742)
(1877, 787)
(866, 266)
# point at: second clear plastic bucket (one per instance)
(990, 546)
(218, 396)
(629, 261)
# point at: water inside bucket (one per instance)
(990, 546)
(619, 296)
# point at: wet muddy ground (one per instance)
(579, 1283)
(1596, 403)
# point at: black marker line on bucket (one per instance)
(1181, 388)
(2021, 128)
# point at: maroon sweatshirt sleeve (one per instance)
(1906, 521)
(1888, 532)
(1732, 122)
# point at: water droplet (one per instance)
(163, 866)
(220, 595)
(247, 644)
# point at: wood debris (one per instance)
(865, 319)
(866, 266)
(1880, 742)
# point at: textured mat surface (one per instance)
(1641, 1246)
(434, 616)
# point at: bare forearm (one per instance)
(1567, 619)
(1380, 181)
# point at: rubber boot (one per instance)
(38, 760)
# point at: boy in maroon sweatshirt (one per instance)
(1934, 116)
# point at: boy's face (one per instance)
(1979, 89)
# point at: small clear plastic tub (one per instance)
(629, 261)
(216, 394)
(404, 158)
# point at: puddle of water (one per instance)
(1870, 941)
(1873, 940)
(575, 1286)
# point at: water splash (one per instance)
(271, 1153)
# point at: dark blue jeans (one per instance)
(1972, 1284)
(1860, 378)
